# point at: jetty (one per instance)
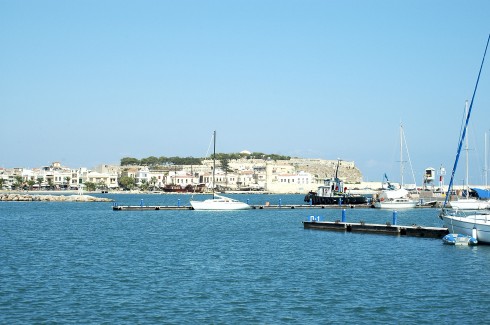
(117, 207)
(387, 229)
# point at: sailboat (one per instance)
(218, 202)
(475, 225)
(468, 203)
(392, 198)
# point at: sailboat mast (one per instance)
(486, 164)
(401, 155)
(464, 129)
(214, 160)
(466, 181)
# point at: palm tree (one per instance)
(40, 180)
(31, 183)
(18, 181)
(67, 179)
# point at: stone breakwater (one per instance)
(53, 198)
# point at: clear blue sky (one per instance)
(90, 82)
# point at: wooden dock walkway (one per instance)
(388, 229)
(117, 207)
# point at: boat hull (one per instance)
(465, 225)
(220, 203)
(335, 200)
(394, 206)
(469, 204)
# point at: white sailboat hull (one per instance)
(219, 203)
(465, 224)
(469, 204)
(396, 204)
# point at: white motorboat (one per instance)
(396, 203)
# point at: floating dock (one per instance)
(387, 229)
(117, 207)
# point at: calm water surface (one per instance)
(84, 263)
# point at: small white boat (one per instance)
(395, 199)
(219, 202)
(459, 239)
(397, 203)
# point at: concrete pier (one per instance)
(117, 207)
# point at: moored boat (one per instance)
(218, 202)
(475, 224)
(333, 192)
(459, 239)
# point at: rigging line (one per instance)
(410, 161)
(209, 146)
(464, 130)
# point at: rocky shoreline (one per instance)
(52, 198)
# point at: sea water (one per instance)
(67, 262)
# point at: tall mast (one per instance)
(448, 193)
(486, 165)
(466, 181)
(401, 155)
(214, 159)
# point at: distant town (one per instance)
(233, 172)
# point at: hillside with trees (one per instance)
(162, 161)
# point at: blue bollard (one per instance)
(394, 217)
(248, 200)
(343, 215)
(311, 202)
(279, 202)
(340, 201)
(178, 203)
(141, 203)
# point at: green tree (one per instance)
(126, 182)
(39, 181)
(128, 161)
(144, 185)
(18, 182)
(67, 180)
(225, 165)
(31, 183)
(90, 186)
(153, 181)
(2, 181)
(150, 161)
